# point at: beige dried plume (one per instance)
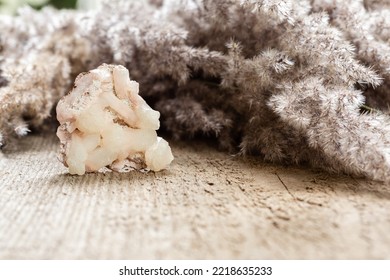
(293, 81)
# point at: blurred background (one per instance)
(10, 6)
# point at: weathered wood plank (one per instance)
(207, 205)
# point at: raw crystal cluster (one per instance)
(105, 123)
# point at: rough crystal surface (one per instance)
(104, 123)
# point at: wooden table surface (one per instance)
(208, 205)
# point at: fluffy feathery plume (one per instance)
(291, 81)
(333, 124)
(280, 9)
(40, 56)
(366, 24)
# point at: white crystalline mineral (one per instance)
(104, 123)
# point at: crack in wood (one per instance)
(285, 186)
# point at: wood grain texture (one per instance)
(207, 205)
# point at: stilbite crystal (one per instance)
(104, 123)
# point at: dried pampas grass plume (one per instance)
(297, 82)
